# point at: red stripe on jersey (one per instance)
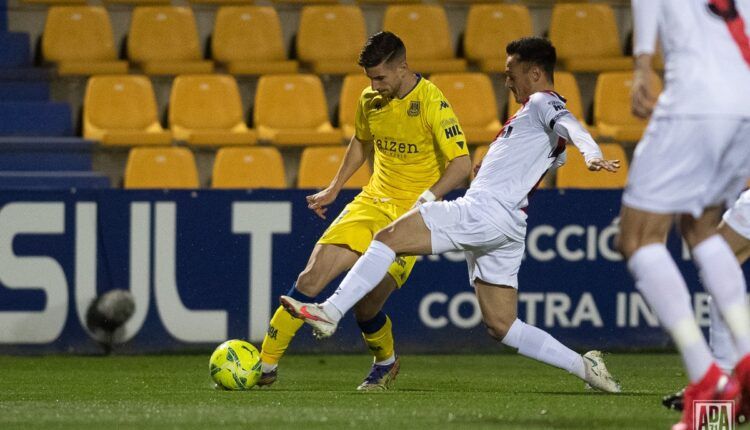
(727, 10)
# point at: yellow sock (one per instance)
(380, 342)
(281, 331)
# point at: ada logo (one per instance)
(413, 108)
(713, 415)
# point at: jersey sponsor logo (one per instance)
(558, 106)
(396, 149)
(413, 108)
(453, 131)
(444, 105)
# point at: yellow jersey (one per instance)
(413, 139)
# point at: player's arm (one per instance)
(571, 130)
(447, 132)
(645, 28)
(356, 155)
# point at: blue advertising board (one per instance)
(209, 265)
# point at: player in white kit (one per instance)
(735, 229)
(692, 160)
(489, 222)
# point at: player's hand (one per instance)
(597, 164)
(318, 201)
(642, 94)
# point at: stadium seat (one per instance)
(473, 100)
(207, 110)
(138, 2)
(489, 27)
(167, 167)
(318, 166)
(305, 1)
(40, 153)
(121, 110)
(15, 49)
(575, 174)
(567, 86)
(54, 2)
(163, 40)
(330, 38)
(248, 41)
(79, 40)
(248, 168)
(477, 157)
(425, 32)
(351, 89)
(24, 91)
(223, 2)
(612, 116)
(292, 110)
(586, 38)
(52, 180)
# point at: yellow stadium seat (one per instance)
(612, 116)
(292, 110)
(351, 89)
(248, 41)
(330, 38)
(425, 32)
(473, 100)
(121, 110)
(586, 38)
(168, 167)
(305, 1)
(575, 174)
(248, 168)
(79, 40)
(137, 2)
(54, 2)
(207, 110)
(163, 40)
(223, 2)
(318, 166)
(567, 86)
(489, 28)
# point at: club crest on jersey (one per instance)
(413, 108)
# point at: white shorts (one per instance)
(738, 216)
(492, 256)
(686, 164)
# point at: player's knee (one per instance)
(627, 244)
(497, 328)
(384, 236)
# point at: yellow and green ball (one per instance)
(235, 365)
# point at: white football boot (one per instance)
(597, 374)
(323, 326)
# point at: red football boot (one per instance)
(715, 386)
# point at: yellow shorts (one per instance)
(357, 224)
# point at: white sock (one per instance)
(387, 361)
(723, 278)
(367, 272)
(721, 341)
(265, 367)
(536, 343)
(663, 287)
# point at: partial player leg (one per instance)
(325, 263)
(407, 235)
(499, 311)
(663, 287)
(378, 335)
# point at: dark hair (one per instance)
(380, 47)
(537, 51)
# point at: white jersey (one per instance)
(706, 53)
(532, 141)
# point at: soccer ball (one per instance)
(235, 365)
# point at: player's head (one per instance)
(384, 60)
(530, 66)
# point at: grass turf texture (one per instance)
(464, 391)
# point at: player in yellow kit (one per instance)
(420, 154)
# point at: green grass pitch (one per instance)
(317, 391)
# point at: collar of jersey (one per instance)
(419, 79)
